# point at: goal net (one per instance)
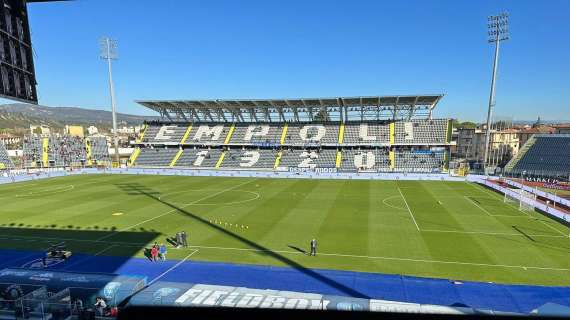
(521, 199)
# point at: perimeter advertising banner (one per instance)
(199, 295)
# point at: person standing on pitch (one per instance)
(178, 239)
(184, 239)
(313, 247)
(162, 252)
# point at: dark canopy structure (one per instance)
(17, 73)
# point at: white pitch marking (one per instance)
(104, 250)
(494, 233)
(551, 227)
(54, 190)
(394, 258)
(256, 196)
(93, 255)
(483, 188)
(174, 210)
(410, 211)
(389, 205)
(173, 267)
(342, 255)
(478, 206)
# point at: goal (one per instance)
(521, 198)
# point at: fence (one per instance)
(540, 193)
(531, 202)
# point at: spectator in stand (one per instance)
(100, 305)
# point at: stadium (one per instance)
(252, 182)
(346, 203)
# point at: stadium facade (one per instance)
(365, 134)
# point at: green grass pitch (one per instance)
(440, 229)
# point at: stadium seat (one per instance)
(365, 160)
(32, 151)
(430, 131)
(257, 134)
(311, 134)
(199, 158)
(99, 149)
(366, 146)
(156, 157)
(249, 159)
(367, 134)
(4, 158)
(308, 158)
(419, 160)
(164, 133)
(548, 155)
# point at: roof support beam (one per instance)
(361, 110)
(252, 114)
(340, 108)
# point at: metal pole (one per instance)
(113, 102)
(498, 31)
(491, 103)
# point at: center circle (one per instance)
(245, 196)
(389, 202)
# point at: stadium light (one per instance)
(109, 52)
(498, 30)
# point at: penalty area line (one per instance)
(551, 227)
(478, 206)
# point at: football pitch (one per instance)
(439, 229)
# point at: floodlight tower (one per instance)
(498, 31)
(109, 52)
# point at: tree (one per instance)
(464, 125)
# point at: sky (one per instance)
(185, 49)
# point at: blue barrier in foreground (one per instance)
(499, 297)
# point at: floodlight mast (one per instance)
(109, 52)
(498, 31)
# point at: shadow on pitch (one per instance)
(297, 249)
(27, 244)
(524, 234)
(138, 189)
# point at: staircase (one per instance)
(513, 162)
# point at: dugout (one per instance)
(83, 286)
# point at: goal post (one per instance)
(521, 198)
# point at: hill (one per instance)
(20, 115)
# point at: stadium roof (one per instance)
(298, 109)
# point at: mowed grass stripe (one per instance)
(153, 220)
(395, 229)
(537, 245)
(390, 228)
(439, 246)
(351, 221)
(80, 204)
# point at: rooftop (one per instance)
(297, 109)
